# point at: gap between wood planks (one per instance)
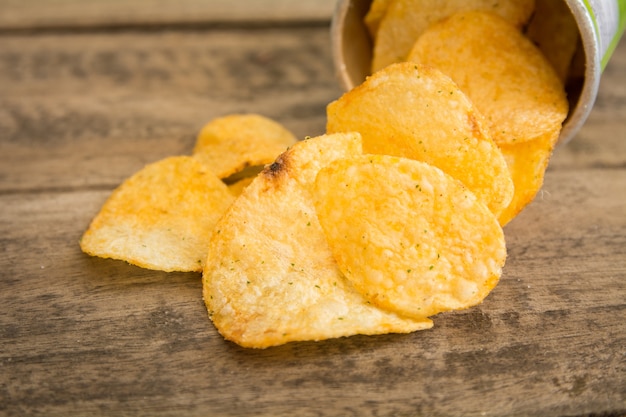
(148, 27)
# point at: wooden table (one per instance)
(92, 91)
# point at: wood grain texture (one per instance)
(64, 14)
(82, 333)
(89, 102)
(81, 111)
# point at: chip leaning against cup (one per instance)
(405, 20)
(505, 75)
(415, 111)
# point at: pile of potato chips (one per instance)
(392, 216)
(511, 58)
(163, 216)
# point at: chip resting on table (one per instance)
(230, 144)
(410, 238)
(161, 217)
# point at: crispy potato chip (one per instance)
(160, 218)
(527, 162)
(409, 237)
(270, 277)
(507, 78)
(554, 30)
(232, 143)
(374, 15)
(417, 112)
(406, 20)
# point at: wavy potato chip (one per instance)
(504, 74)
(270, 277)
(406, 20)
(409, 237)
(527, 162)
(417, 112)
(230, 144)
(161, 217)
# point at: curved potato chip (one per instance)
(161, 217)
(527, 162)
(270, 277)
(229, 144)
(406, 20)
(417, 112)
(409, 237)
(507, 78)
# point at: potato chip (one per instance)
(554, 30)
(270, 277)
(406, 20)
(232, 143)
(527, 162)
(417, 112)
(374, 15)
(160, 218)
(409, 237)
(507, 78)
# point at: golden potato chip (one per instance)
(409, 237)
(527, 162)
(232, 143)
(270, 277)
(160, 218)
(374, 15)
(507, 78)
(406, 20)
(417, 112)
(554, 30)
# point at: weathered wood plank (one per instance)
(33, 14)
(97, 336)
(72, 110)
